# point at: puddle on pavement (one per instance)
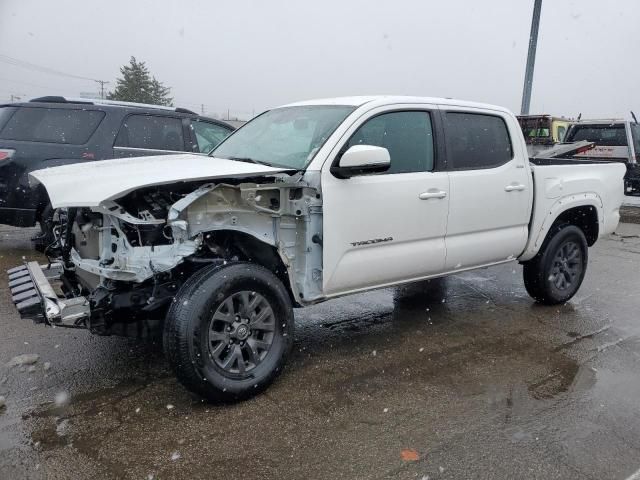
(407, 351)
(556, 382)
(440, 333)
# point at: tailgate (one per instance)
(612, 152)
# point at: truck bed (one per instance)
(559, 182)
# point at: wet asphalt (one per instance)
(462, 378)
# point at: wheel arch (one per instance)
(246, 246)
(584, 217)
(585, 211)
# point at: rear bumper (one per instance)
(35, 298)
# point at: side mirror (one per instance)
(360, 160)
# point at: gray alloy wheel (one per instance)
(229, 332)
(567, 266)
(555, 274)
(241, 332)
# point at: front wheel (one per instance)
(229, 331)
(555, 274)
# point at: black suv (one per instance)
(52, 131)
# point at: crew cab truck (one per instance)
(306, 203)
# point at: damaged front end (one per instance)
(122, 262)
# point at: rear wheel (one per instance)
(555, 274)
(229, 331)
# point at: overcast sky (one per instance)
(248, 56)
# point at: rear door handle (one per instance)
(514, 188)
(432, 194)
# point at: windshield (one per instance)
(285, 137)
(535, 129)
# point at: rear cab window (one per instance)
(151, 132)
(476, 140)
(49, 125)
(606, 135)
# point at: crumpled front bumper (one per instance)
(36, 299)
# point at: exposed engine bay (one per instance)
(123, 261)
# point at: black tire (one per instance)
(194, 342)
(555, 274)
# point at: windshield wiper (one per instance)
(248, 160)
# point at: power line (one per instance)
(39, 68)
(18, 82)
(16, 62)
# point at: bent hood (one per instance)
(89, 184)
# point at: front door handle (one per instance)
(432, 194)
(514, 188)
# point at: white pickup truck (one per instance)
(305, 203)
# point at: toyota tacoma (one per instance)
(303, 204)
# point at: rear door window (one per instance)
(476, 141)
(151, 132)
(52, 125)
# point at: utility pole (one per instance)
(15, 98)
(531, 58)
(102, 84)
(202, 108)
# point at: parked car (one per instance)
(306, 203)
(615, 139)
(53, 131)
(542, 132)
